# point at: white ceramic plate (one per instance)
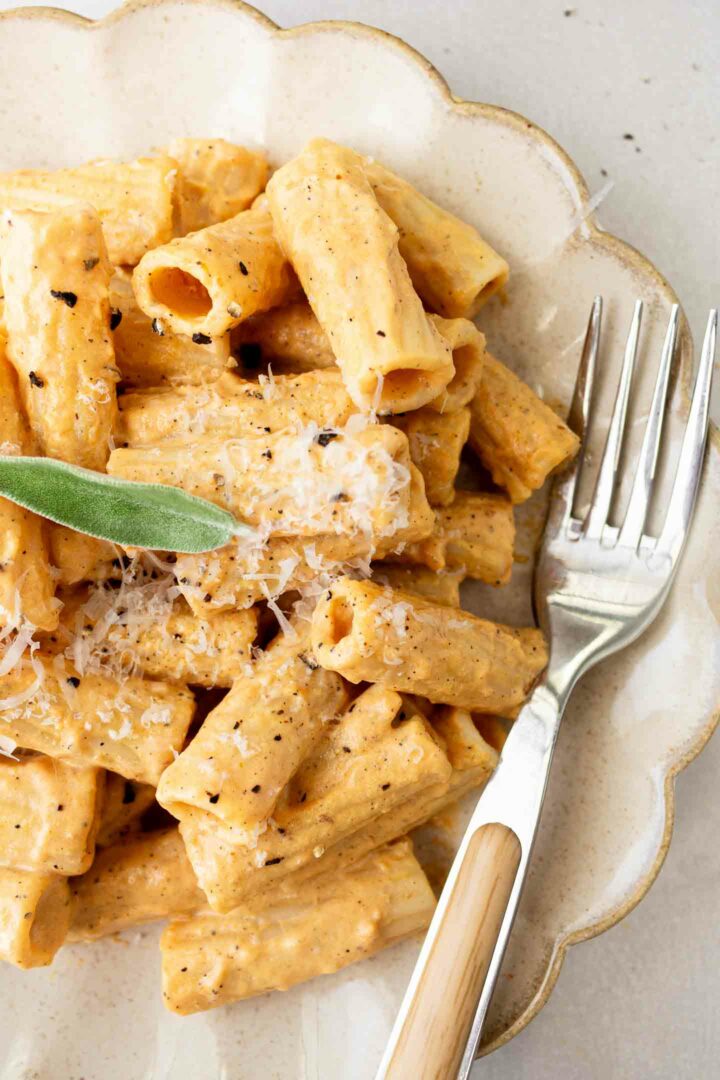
(72, 90)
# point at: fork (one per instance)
(597, 587)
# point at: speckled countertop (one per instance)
(631, 89)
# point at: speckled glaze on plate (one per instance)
(73, 90)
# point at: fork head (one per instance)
(599, 586)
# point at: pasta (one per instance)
(49, 814)
(243, 740)
(443, 586)
(451, 266)
(26, 584)
(252, 743)
(132, 728)
(367, 633)
(210, 959)
(124, 804)
(436, 442)
(207, 282)
(232, 405)
(290, 337)
(34, 916)
(380, 755)
(216, 180)
(55, 275)
(146, 356)
(134, 200)
(146, 878)
(323, 210)
(175, 644)
(305, 484)
(475, 534)
(77, 557)
(518, 438)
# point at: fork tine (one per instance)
(637, 508)
(605, 485)
(689, 470)
(564, 491)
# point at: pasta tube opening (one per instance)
(182, 293)
(49, 923)
(340, 616)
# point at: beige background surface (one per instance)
(642, 1000)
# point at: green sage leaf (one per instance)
(123, 511)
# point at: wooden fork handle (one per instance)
(431, 1043)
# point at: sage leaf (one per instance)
(123, 511)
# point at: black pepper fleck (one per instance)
(243, 268)
(69, 298)
(325, 437)
(35, 379)
(201, 339)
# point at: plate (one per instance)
(74, 90)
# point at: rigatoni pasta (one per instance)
(26, 584)
(518, 438)
(297, 484)
(131, 727)
(436, 442)
(145, 878)
(379, 754)
(252, 743)
(216, 180)
(123, 806)
(55, 275)
(324, 212)
(475, 534)
(367, 633)
(289, 337)
(301, 699)
(148, 356)
(34, 916)
(231, 406)
(49, 814)
(133, 199)
(207, 282)
(210, 959)
(451, 266)
(76, 557)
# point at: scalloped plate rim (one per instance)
(595, 235)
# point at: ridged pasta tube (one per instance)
(233, 406)
(209, 281)
(133, 199)
(34, 916)
(131, 727)
(55, 275)
(345, 251)
(216, 180)
(368, 633)
(518, 438)
(335, 920)
(49, 814)
(146, 878)
(251, 744)
(453, 269)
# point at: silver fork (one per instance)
(597, 588)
